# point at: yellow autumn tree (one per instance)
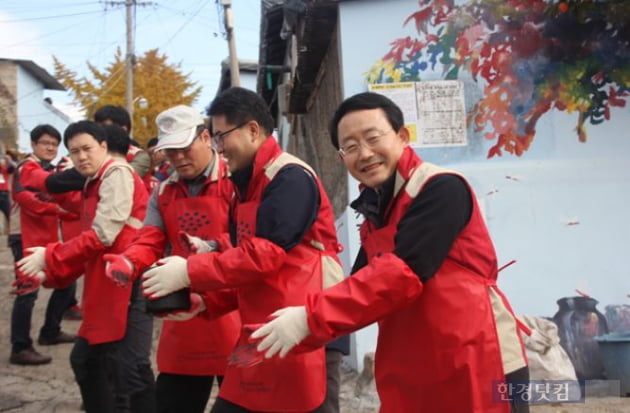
(160, 83)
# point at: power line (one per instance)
(49, 17)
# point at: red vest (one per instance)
(199, 346)
(105, 305)
(442, 352)
(296, 383)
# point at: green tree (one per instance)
(162, 85)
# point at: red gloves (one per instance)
(25, 284)
(118, 269)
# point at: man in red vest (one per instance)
(194, 344)
(34, 223)
(286, 246)
(426, 272)
(114, 205)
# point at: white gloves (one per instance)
(284, 332)
(197, 245)
(197, 305)
(33, 263)
(64, 164)
(168, 276)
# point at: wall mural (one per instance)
(530, 56)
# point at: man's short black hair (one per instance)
(44, 129)
(366, 101)
(240, 105)
(117, 139)
(84, 126)
(117, 114)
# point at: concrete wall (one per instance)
(8, 98)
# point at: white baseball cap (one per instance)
(177, 127)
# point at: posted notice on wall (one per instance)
(434, 111)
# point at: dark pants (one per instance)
(5, 204)
(177, 393)
(135, 350)
(95, 369)
(117, 376)
(333, 382)
(22, 312)
(520, 375)
(331, 402)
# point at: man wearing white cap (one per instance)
(186, 212)
(286, 246)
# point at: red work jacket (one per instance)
(105, 304)
(438, 347)
(199, 346)
(38, 214)
(267, 279)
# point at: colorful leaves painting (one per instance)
(529, 56)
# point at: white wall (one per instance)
(32, 110)
(248, 80)
(559, 181)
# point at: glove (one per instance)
(64, 164)
(25, 284)
(168, 276)
(118, 269)
(34, 262)
(197, 305)
(196, 245)
(284, 332)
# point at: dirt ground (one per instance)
(51, 388)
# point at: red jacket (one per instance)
(38, 214)
(266, 279)
(199, 346)
(439, 347)
(105, 305)
(4, 177)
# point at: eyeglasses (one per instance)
(174, 151)
(218, 138)
(50, 144)
(353, 147)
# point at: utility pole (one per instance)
(235, 75)
(129, 59)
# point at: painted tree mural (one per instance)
(530, 56)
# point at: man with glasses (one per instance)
(186, 211)
(286, 247)
(426, 271)
(34, 223)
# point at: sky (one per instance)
(189, 32)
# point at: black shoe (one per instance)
(29, 357)
(61, 338)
